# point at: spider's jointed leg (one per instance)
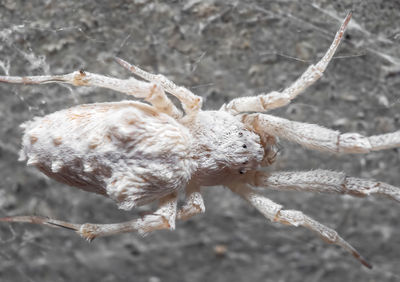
(163, 218)
(151, 92)
(325, 181)
(190, 101)
(193, 205)
(316, 137)
(264, 102)
(275, 213)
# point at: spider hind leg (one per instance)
(163, 218)
(151, 92)
(190, 101)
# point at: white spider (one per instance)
(136, 153)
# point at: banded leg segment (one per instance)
(163, 218)
(151, 92)
(316, 137)
(190, 102)
(264, 102)
(193, 205)
(325, 181)
(276, 213)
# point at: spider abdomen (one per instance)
(125, 150)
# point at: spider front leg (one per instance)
(264, 102)
(163, 218)
(151, 92)
(316, 137)
(275, 213)
(324, 181)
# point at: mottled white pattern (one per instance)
(136, 153)
(126, 150)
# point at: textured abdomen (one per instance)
(125, 150)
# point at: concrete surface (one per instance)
(220, 50)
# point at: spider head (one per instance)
(268, 142)
(223, 147)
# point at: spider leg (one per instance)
(163, 218)
(151, 92)
(324, 181)
(276, 213)
(264, 102)
(190, 101)
(316, 137)
(193, 205)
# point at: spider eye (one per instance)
(240, 134)
(242, 171)
(244, 146)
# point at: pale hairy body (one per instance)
(137, 153)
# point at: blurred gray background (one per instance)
(220, 50)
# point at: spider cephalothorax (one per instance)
(222, 147)
(136, 153)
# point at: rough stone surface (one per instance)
(220, 50)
